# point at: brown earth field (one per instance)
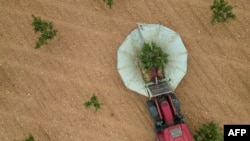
(42, 91)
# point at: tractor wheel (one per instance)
(176, 103)
(152, 109)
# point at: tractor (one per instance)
(160, 82)
(164, 108)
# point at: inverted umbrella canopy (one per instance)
(129, 51)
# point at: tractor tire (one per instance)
(176, 103)
(152, 109)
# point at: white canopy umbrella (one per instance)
(128, 56)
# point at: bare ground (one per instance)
(42, 91)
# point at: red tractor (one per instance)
(164, 108)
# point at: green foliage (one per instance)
(109, 2)
(46, 30)
(222, 11)
(93, 101)
(152, 56)
(30, 138)
(209, 132)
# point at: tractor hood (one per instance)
(178, 132)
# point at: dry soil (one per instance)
(42, 91)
